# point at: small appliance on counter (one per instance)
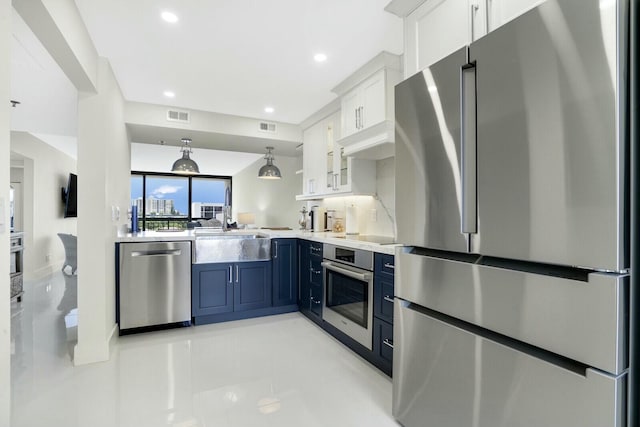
(318, 218)
(303, 219)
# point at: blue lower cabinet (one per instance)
(211, 289)
(315, 300)
(252, 286)
(383, 344)
(231, 291)
(284, 257)
(383, 298)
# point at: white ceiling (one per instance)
(238, 56)
(226, 56)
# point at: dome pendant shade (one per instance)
(185, 165)
(269, 171)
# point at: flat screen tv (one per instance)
(70, 197)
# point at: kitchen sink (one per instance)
(219, 246)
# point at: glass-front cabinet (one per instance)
(339, 166)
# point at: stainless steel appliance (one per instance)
(154, 284)
(16, 264)
(348, 286)
(511, 294)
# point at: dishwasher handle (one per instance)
(165, 252)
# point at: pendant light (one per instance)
(185, 165)
(269, 171)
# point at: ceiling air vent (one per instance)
(267, 127)
(178, 116)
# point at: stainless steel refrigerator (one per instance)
(512, 196)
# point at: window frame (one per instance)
(142, 216)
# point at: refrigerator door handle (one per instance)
(468, 142)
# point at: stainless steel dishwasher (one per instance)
(154, 285)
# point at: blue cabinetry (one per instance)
(230, 291)
(284, 255)
(310, 279)
(211, 289)
(383, 290)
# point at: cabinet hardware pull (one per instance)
(276, 254)
(474, 10)
(237, 275)
(230, 274)
(388, 298)
(388, 342)
(391, 266)
(487, 4)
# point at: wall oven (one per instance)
(348, 289)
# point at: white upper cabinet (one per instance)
(435, 28)
(367, 108)
(326, 170)
(313, 169)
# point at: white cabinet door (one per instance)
(503, 11)
(313, 167)
(374, 101)
(436, 29)
(350, 111)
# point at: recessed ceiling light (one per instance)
(268, 109)
(169, 94)
(320, 57)
(169, 17)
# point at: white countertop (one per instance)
(328, 237)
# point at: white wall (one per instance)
(5, 319)
(46, 171)
(383, 204)
(103, 185)
(272, 201)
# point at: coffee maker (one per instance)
(318, 217)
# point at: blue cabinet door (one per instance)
(211, 289)
(304, 274)
(252, 283)
(284, 255)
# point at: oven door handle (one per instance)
(353, 274)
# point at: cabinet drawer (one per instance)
(315, 250)
(383, 340)
(315, 271)
(383, 298)
(445, 375)
(385, 265)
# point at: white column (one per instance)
(103, 182)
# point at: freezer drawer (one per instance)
(154, 284)
(445, 376)
(582, 320)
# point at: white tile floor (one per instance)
(275, 371)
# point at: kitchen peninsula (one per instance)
(343, 283)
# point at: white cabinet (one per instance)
(313, 180)
(365, 105)
(346, 174)
(433, 31)
(437, 28)
(327, 171)
(367, 108)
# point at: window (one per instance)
(170, 201)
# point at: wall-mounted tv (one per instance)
(70, 197)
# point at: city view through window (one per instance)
(170, 202)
